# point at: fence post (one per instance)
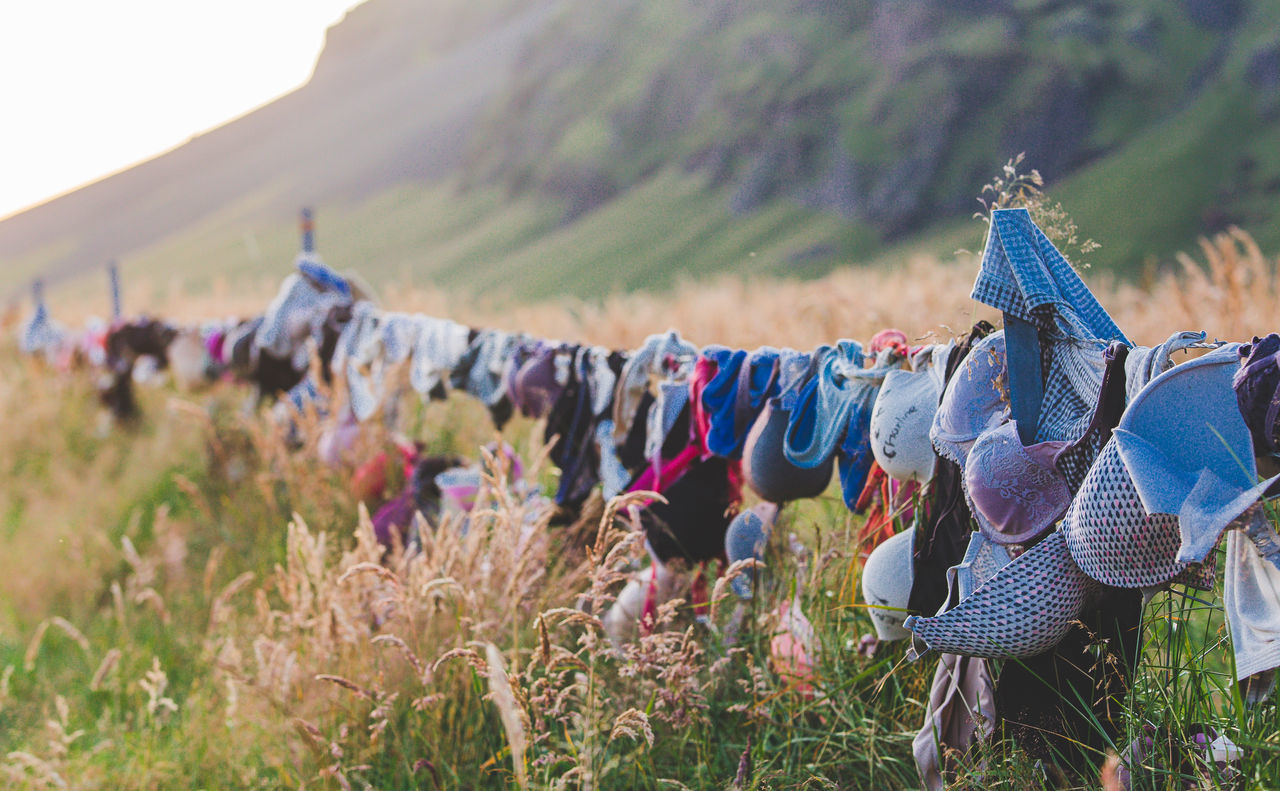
(113, 280)
(308, 232)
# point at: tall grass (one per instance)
(196, 603)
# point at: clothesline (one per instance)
(1053, 470)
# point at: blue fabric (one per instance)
(482, 370)
(746, 538)
(854, 458)
(719, 398)
(323, 275)
(1189, 452)
(1146, 363)
(762, 362)
(362, 394)
(762, 384)
(304, 393)
(731, 411)
(113, 283)
(796, 368)
(673, 397)
(822, 408)
(399, 332)
(651, 359)
(1026, 382)
(1022, 274)
(722, 356)
(832, 414)
(288, 321)
(40, 334)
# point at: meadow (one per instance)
(189, 603)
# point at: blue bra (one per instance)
(833, 415)
(736, 394)
(820, 415)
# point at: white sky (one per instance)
(88, 87)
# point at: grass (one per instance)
(477, 244)
(191, 603)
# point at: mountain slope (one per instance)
(381, 109)
(578, 146)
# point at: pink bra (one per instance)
(1016, 491)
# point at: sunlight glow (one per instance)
(88, 87)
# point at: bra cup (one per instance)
(900, 423)
(766, 468)
(693, 522)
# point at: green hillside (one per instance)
(579, 147)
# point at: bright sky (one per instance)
(88, 87)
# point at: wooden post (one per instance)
(113, 280)
(308, 232)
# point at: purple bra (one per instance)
(1016, 491)
(532, 383)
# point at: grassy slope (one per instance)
(1137, 201)
(672, 227)
(1148, 195)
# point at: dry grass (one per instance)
(173, 631)
(1228, 289)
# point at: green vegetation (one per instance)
(474, 243)
(889, 117)
(632, 145)
(160, 626)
